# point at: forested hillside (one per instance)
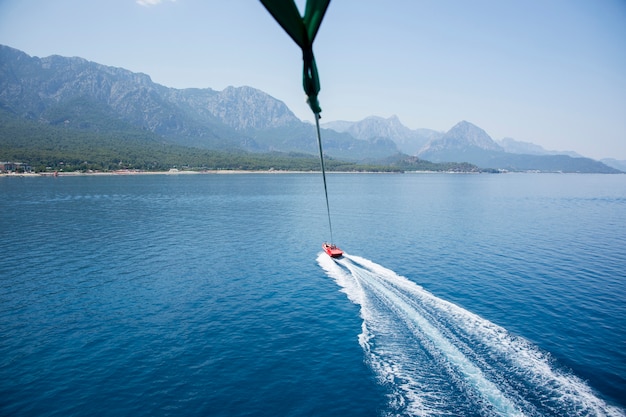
(62, 147)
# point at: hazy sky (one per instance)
(551, 72)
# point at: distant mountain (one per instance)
(466, 142)
(102, 103)
(514, 146)
(614, 163)
(549, 163)
(373, 128)
(72, 92)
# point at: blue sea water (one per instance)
(208, 295)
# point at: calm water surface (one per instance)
(206, 295)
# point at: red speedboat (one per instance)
(332, 250)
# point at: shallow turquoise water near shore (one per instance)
(204, 294)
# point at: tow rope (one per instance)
(319, 142)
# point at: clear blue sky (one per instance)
(551, 72)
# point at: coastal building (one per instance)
(10, 167)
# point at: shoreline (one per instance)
(249, 172)
(263, 172)
(178, 172)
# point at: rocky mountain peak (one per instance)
(379, 127)
(246, 108)
(374, 128)
(462, 135)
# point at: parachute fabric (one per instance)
(303, 31)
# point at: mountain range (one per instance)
(80, 95)
(468, 143)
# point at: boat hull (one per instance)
(332, 250)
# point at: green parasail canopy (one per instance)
(302, 30)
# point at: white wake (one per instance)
(437, 358)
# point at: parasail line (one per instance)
(319, 142)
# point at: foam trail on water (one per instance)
(437, 358)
